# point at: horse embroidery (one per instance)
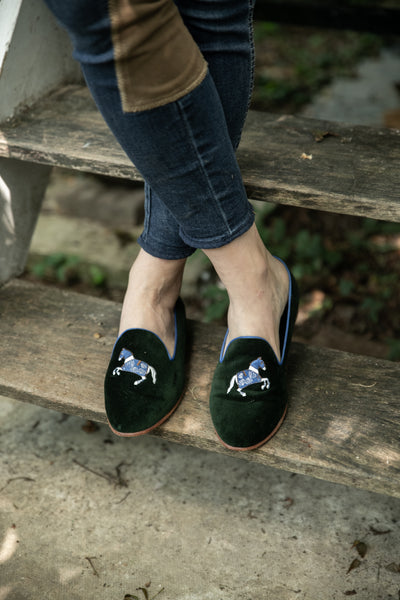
(250, 376)
(133, 365)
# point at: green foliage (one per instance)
(346, 287)
(217, 302)
(67, 270)
(372, 307)
(306, 251)
(57, 267)
(97, 276)
(394, 349)
(265, 29)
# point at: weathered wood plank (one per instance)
(353, 170)
(382, 16)
(343, 424)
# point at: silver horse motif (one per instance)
(250, 376)
(133, 365)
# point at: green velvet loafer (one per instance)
(144, 384)
(248, 400)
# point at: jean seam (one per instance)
(201, 162)
(146, 223)
(153, 248)
(252, 63)
(252, 48)
(149, 243)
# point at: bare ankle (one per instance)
(158, 280)
(257, 285)
(153, 289)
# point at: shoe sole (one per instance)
(259, 444)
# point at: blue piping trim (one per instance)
(289, 305)
(223, 349)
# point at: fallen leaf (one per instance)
(393, 568)
(319, 136)
(288, 502)
(90, 427)
(377, 532)
(361, 548)
(97, 336)
(305, 156)
(130, 597)
(354, 565)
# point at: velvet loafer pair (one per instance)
(144, 384)
(248, 400)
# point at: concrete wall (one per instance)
(35, 57)
(35, 54)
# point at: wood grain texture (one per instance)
(353, 170)
(343, 422)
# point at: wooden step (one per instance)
(382, 16)
(284, 159)
(343, 422)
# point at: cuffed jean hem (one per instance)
(157, 250)
(206, 243)
(153, 248)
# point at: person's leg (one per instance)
(181, 144)
(223, 31)
(263, 298)
(198, 177)
(257, 284)
(181, 147)
(154, 283)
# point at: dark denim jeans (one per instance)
(185, 149)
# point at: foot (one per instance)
(143, 386)
(258, 287)
(153, 289)
(249, 396)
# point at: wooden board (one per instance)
(382, 16)
(353, 170)
(343, 422)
